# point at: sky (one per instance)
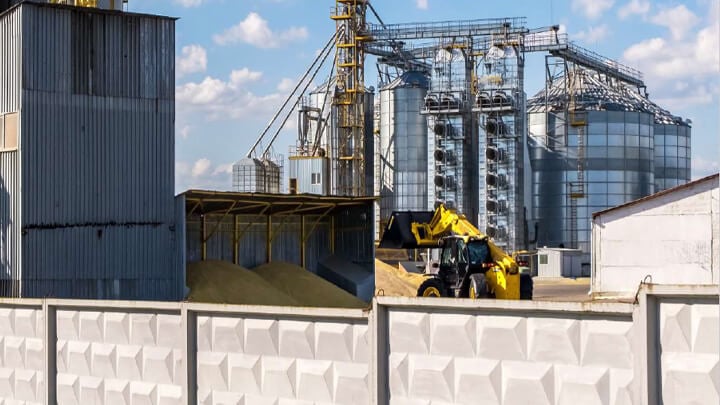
(237, 61)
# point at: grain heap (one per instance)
(396, 282)
(225, 283)
(305, 287)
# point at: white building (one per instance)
(670, 237)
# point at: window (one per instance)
(543, 259)
(315, 179)
(8, 131)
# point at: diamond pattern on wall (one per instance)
(119, 358)
(554, 340)
(606, 343)
(255, 360)
(22, 360)
(690, 352)
(510, 359)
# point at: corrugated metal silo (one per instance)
(618, 157)
(402, 153)
(249, 176)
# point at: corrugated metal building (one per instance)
(87, 160)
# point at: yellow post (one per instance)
(236, 239)
(203, 240)
(268, 239)
(332, 234)
(302, 241)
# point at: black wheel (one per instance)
(526, 286)
(478, 286)
(432, 287)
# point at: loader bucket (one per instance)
(398, 232)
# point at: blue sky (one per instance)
(238, 60)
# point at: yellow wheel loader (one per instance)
(471, 265)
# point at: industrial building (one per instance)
(670, 237)
(87, 111)
(451, 124)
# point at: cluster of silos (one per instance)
(401, 176)
(618, 153)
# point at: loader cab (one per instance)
(462, 255)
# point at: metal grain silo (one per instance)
(671, 144)
(249, 176)
(672, 152)
(614, 141)
(403, 146)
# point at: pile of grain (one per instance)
(225, 283)
(305, 287)
(396, 282)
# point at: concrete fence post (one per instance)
(189, 326)
(50, 343)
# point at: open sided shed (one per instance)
(251, 229)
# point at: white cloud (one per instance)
(184, 131)
(189, 3)
(226, 99)
(593, 34)
(193, 59)
(681, 69)
(422, 4)
(286, 85)
(200, 167)
(679, 20)
(640, 7)
(254, 30)
(223, 169)
(244, 75)
(202, 174)
(592, 9)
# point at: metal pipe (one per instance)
(277, 114)
(324, 53)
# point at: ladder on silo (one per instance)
(577, 119)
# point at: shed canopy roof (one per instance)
(199, 202)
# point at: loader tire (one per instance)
(432, 287)
(526, 286)
(478, 286)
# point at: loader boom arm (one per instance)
(412, 230)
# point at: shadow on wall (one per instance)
(6, 280)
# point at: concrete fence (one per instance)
(418, 351)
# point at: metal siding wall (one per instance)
(354, 235)
(318, 242)
(353, 238)
(98, 154)
(286, 239)
(10, 101)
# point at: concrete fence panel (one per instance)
(664, 349)
(467, 352)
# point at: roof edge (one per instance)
(86, 9)
(658, 194)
